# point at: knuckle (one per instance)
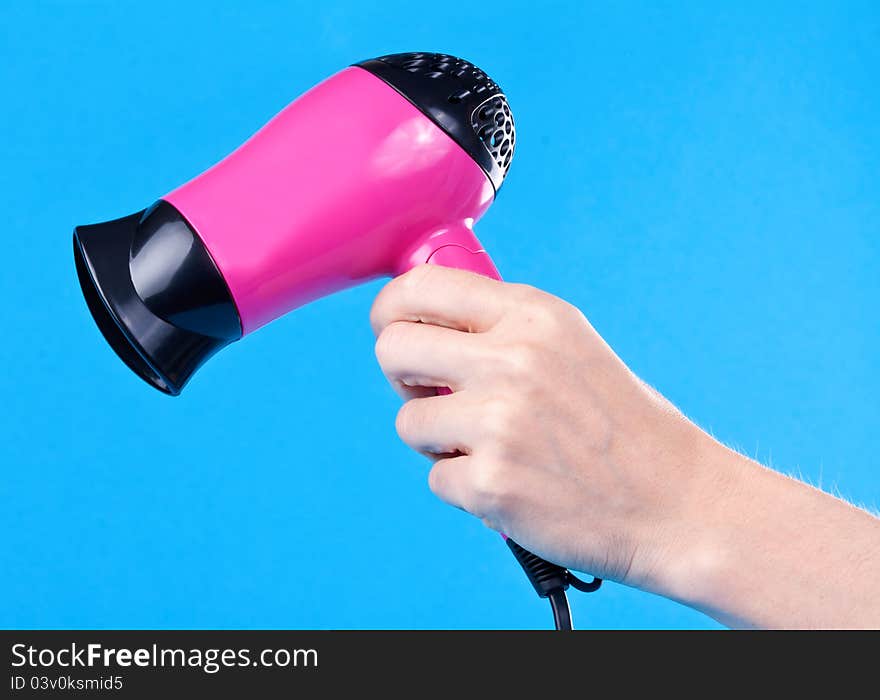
(377, 310)
(408, 420)
(389, 342)
(532, 303)
(543, 311)
(435, 480)
(522, 358)
(416, 278)
(500, 420)
(490, 487)
(438, 480)
(564, 314)
(397, 291)
(525, 292)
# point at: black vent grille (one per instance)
(493, 124)
(441, 65)
(461, 99)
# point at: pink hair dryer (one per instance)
(383, 166)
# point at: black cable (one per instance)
(561, 611)
(584, 586)
(551, 581)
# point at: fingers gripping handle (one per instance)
(458, 247)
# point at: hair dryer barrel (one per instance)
(381, 167)
(338, 188)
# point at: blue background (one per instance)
(701, 180)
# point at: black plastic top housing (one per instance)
(460, 98)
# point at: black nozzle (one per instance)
(155, 293)
(460, 98)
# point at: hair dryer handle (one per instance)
(465, 259)
(455, 246)
(458, 247)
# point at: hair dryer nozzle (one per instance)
(132, 272)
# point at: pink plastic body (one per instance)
(347, 183)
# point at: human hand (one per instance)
(548, 437)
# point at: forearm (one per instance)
(774, 552)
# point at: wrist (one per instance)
(760, 549)
(714, 522)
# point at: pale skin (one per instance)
(549, 437)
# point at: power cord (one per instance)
(551, 581)
(561, 611)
